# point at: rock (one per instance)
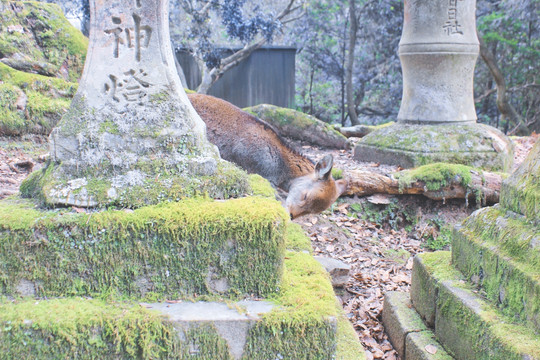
(338, 270)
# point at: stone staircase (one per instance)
(482, 299)
(197, 279)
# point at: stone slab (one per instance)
(468, 326)
(231, 321)
(400, 319)
(338, 270)
(424, 346)
(409, 146)
(499, 252)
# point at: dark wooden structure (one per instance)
(266, 77)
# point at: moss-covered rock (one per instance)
(175, 249)
(299, 126)
(38, 32)
(409, 146)
(521, 191)
(41, 59)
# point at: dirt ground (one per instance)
(377, 241)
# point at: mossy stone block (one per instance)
(417, 343)
(177, 249)
(424, 286)
(400, 319)
(96, 329)
(472, 329)
(409, 146)
(521, 191)
(468, 326)
(499, 252)
(423, 292)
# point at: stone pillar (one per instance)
(131, 136)
(437, 118)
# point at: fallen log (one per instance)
(435, 181)
(361, 130)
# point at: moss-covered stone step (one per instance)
(406, 330)
(500, 252)
(467, 325)
(302, 321)
(172, 250)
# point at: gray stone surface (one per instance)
(423, 292)
(232, 322)
(338, 270)
(424, 346)
(400, 319)
(130, 124)
(410, 145)
(438, 51)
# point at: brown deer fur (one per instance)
(253, 145)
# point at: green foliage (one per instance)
(509, 29)
(437, 235)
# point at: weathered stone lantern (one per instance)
(437, 119)
(131, 137)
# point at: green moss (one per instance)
(47, 99)
(94, 329)
(260, 186)
(468, 325)
(337, 173)
(348, 345)
(498, 251)
(436, 176)
(172, 250)
(294, 124)
(304, 319)
(306, 294)
(521, 192)
(438, 264)
(48, 37)
(483, 333)
(296, 238)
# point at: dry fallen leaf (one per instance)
(431, 349)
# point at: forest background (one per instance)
(347, 65)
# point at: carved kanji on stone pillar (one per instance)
(131, 136)
(437, 118)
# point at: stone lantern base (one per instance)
(409, 146)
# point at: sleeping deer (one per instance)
(253, 145)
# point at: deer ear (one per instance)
(323, 169)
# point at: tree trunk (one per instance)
(484, 187)
(507, 110)
(353, 29)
